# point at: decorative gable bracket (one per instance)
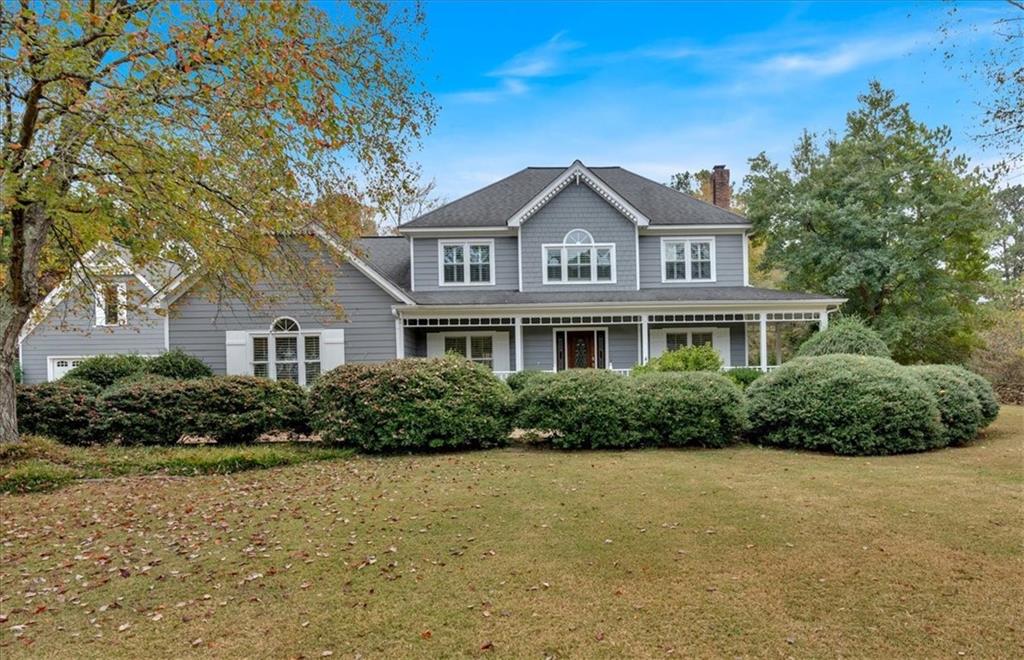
(577, 173)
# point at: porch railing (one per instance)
(502, 375)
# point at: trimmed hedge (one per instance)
(846, 404)
(105, 370)
(412, 405)
(64, 410)
(599, 409)
(177, 364)
(743, 376)
(687, 358)
(845, 335)
(985, 393)
(228, 409)
(958, 405)
(690, 408)
(520, 380)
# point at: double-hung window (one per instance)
(579, 260)
(277, 354)
(688, 260)
(466, 262)
(676, 339)
(478, 348)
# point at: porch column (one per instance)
(823, 320)
(764, 341)
(645, 340)
(519, 343)
(399, 337)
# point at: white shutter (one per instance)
(500, 347)
(238, 353)
(720, 341)
(659, 342)
(332, 349)
(435, 344)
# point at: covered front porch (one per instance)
(615, 339)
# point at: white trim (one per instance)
(519, 257)
(746, 259)
(645, 339)
(688, 240)
(721, 340)
(100, 304)
(696, 229)
(577, 172)
(636, 237)
(650, 306)
(466, 245)
(519, 343)
(763, 344)
(412, 263)
(51, 358)
(167, 329)
(300, 348)
(823, 323)
(569, 328)
(564, 248)
(399, 337)
(427, 232)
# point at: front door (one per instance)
(580, 351)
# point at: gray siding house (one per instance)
(551, 268)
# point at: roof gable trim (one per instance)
(576, 173)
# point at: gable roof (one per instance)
(495, 205)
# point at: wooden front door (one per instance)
(580, 349)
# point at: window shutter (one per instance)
(237, 350)
(332, 349)
(720, 341)
(435, 344)
(658, 342)
(500, 347)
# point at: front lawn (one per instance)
(737, 551)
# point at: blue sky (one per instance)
(665, 87)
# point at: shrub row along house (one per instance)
(549, 269)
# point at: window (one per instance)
(701, 339)
(276, 354)
(578, 259)
(478, 348)
(674, 340)
(466, 263)
(688, 259)
(112, 304)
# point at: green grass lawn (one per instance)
(517, 552)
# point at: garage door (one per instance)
(61, 365)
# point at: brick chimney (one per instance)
(721, 195)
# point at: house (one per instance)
(550, 268)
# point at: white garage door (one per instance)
(61, 365)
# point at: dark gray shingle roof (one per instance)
(388, 255)
(493, 205)
(667, 294)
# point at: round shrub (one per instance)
(585, 408)
(983, 390)
(154, 409)
(177, 364)
(846, 404)
(64, 410)
(958, 405)
(845, 335)
(412, 405)
(695, 408)
(688, 358)
(104, 370)
(743, 376)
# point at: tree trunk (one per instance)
(8, 401)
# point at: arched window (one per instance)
(286, 354)
(285, 324)
(579, 260)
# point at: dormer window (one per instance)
(112, 304)
(466, 263)
(579, 260)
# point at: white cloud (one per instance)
(508, 87)
(547, 59)
(842, 58)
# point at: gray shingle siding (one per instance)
(197, 326)
(70, 331)
(506, 264)
(728, 262)
(578, 207)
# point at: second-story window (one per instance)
(467, 262)
(579, 260)
(112, 304)
(687, 260)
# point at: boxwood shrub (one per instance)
(847, 404)
(845, 335)
(522, 379)
(687, 358)
(104, 370)
(177, 364)
(958, 405)
(983, 390)
(157, 410)
(64, 410)
(689, 408)
(412, 405)
(744, 376)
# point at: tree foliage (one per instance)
(1008, 245)
(886, 215)
(194, 132)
